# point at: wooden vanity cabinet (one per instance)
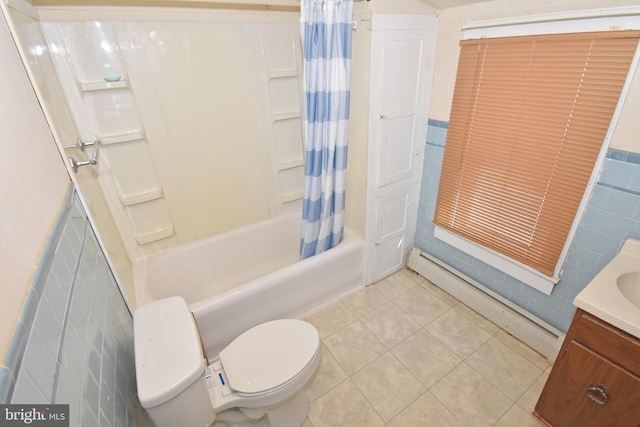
(595, 380)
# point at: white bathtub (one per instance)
(247, 276)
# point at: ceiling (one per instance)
(250, 4)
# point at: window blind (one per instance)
(528, 120)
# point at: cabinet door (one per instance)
(402, 53)
(582, 374)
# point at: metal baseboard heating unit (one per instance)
(529, 329)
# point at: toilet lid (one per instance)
(168, 355)
(269, 355)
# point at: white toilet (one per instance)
(256, 380)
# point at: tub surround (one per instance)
(165, 166)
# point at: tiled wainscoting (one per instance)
(611, 217)
(74, 339)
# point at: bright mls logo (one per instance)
(34, 415)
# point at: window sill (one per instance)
(518, 271)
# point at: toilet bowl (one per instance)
(255, 381)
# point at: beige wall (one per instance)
(356, 192)
(33, 184)
(451, 22)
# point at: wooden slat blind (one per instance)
(528, 120)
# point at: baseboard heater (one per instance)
(529, 329)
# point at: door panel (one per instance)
(397, 155)
(390, 240)
(393, 214)
(403, 71)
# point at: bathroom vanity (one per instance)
(595, 380)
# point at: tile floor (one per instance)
(403, 353)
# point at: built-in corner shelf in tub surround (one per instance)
(135, 135)
(97, 87)
(283, 71)
(129, 162)
(103, 85)
(151, 221)
(282, 74)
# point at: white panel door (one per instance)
(402, 52)
(399, 142)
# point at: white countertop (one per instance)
(603, 298)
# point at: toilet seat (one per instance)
(269, 356)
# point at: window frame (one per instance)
(612, 19)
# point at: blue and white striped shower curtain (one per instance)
(325, 26)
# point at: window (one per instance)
(528, 120)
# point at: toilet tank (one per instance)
(170, 365)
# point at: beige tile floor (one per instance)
(403, 353)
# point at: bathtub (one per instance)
(244, 277)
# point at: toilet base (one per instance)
(292, 413)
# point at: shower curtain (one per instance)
(325, 27)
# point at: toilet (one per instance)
(255, 381)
